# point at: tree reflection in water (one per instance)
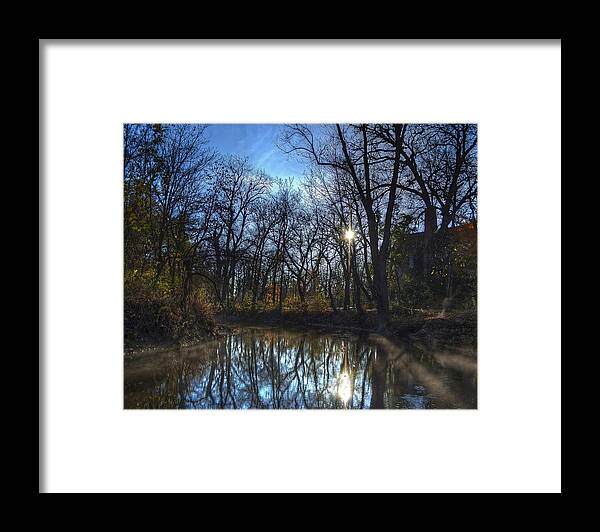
(262, 368)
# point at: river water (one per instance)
(286, 369)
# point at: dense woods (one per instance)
(384, 222)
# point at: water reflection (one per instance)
(262, 368)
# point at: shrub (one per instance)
(156, 316)
(415, 293)
(317, 302)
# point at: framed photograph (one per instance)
(269, 253)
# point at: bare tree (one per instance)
(373, 169)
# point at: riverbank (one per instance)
(160, 323)
(455, 328)
(429, 328)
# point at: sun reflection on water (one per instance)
(344, 389)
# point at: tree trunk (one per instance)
(281, 289)
(382, 302)
(430, 229)
(357, 283)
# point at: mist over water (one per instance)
(283, 369)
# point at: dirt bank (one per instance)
(456, 328)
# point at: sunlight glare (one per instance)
(344, 387)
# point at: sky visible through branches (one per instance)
(258, 142)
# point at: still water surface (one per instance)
(276, 368)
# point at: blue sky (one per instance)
(258, 143)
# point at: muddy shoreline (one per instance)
(458, 328)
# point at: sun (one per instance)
(349, 234)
